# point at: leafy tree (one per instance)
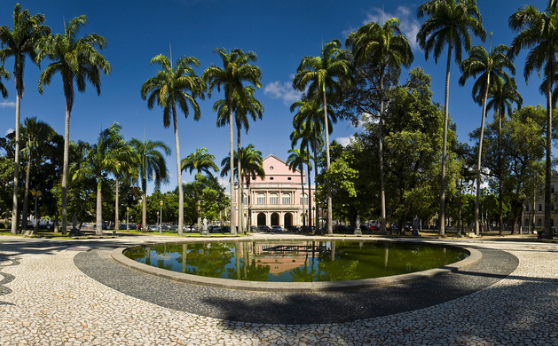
(20, 42)
(538, 32)
(324, 75)
(449, 22)
(484, 65)
(169, 87)
(383, 46)
(78, 61)
(151, 167)
(236, 70)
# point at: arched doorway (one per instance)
(288, 220)
(274, 219)
(261, 219)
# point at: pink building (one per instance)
(277, 199)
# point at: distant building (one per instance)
(533, 207)
(277, 199)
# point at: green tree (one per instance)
(449, 22)
(169, 87)
(538, 32)
(202, 162)
(383, 46)
(20, 42)
(35, 135)
(324, 75)
(151, 167)
(484, 65)
(502, 96)
(236, 71)
(78, 61)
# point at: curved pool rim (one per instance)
(474, 257)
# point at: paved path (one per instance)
(45, 299)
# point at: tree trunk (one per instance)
(116, 220)
(548, 172)
(500, 188)
(249, 200)
(65, 169)
(302, 186)
(178, 174)
(99, 212)
(16, 167)
(381, 156)
(442, 216)
(231, 166)
(479, 159)
(240, 183)
(310, 216)
(25, 213)
(329, 200)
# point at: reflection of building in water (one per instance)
(280, 262)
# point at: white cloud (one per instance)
(283, 91)
(10, 130)
(408, 24)
(5, 104)
(226, 183)
(344, 141)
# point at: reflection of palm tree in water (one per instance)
(305, 274)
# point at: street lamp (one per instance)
(127, 219)
(161, 219)
(36, 194)
(158, 221)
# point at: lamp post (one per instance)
(315, 221)
(36, 195)
(127, 219)
(158, 222)
(161, 217)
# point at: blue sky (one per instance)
(281, 33)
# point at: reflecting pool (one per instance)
(296, 261)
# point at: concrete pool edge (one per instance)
(474, 257)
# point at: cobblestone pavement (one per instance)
(46, 300)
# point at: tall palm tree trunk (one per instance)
(231, 167)
(302, 185)
(500, 173)
(249, 200)
(240, 184)
(442, 217)
(310, 190)
(116, 204)
(144, 206)
(26, 196)
(16, 166)
(315, 189)
(479, 159)
(99, 211)
(329, 201)
(548, 170)
(178, 174)
(65, 168)
(381, 157)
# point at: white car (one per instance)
(277, 229)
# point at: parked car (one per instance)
(226, 229)
(277, 228)
(293, 229)
(152, 228)
(214, 229)
(264, 228)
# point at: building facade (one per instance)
(533, 208)
(277, 199)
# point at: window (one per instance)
(260, 199)
(270, 178)
(527, 207)
(540, 207)
(289, 178)
(245, 199)
(304, 199)
(286, 198)
(526, 222)
(273, 198)
(539, 222)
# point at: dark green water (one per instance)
(302, 261)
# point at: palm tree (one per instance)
(126, 169)
(252, 167)
(308, 123)
(169, 87)
(502, 95)
(484, 65)
(538, 32)
(106, 156)
(383, 46)
(251, 107)
(449, 22)
(202, 162)
(20, 42)
(34, 134)
(78, 61)
(324, 75)
(151, 167)
(296, 160)
(236, 71)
